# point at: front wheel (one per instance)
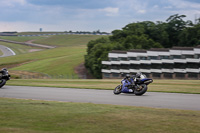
(117, 90)
(140, 90)
(2, 82)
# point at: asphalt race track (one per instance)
(6, 51)
(149, 99)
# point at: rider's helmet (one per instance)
(127, 76)
(4, 69)
(138, 74)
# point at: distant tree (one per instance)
(117, 35)
(97, 52)
(142, 35)
(190, 36)
(176, 25)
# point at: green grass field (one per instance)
(29, 116)
(21, 39)
(62, 60)
(55, 61)
(1, 53)
(67, 40)
(22, 116)
(56, 40)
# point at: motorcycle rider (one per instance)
(127, 82)
(3, 71)
(139, 76)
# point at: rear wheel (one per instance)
(140, 90)
(117, 90)
(2, 82)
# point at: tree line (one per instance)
(143, 35)
(98, 32)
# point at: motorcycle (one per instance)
(4, 76)
(140, 85)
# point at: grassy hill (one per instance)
(67, 40)
(57, 40)
(1, 53)
(60, 61)
(19, 49)
(22, 38)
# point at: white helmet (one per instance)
(138, 74)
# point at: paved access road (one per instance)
(6, 51)
(149, 99)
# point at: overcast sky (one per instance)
(89, 15)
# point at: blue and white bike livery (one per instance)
(136, 85)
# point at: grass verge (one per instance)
(1, 53)
(172, 86)
(22, 116)
(60, 61)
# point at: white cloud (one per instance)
(19, 26)
(188, 8)
(22, 2)
(184, 4)
(141, 11)
(66, 25)
(130, 7)
(168, 7)
(12, 3)
(155, 6)
(110, 11)
(95, 14)
(32, 16)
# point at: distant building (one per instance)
(174, 63)
(40, 29)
